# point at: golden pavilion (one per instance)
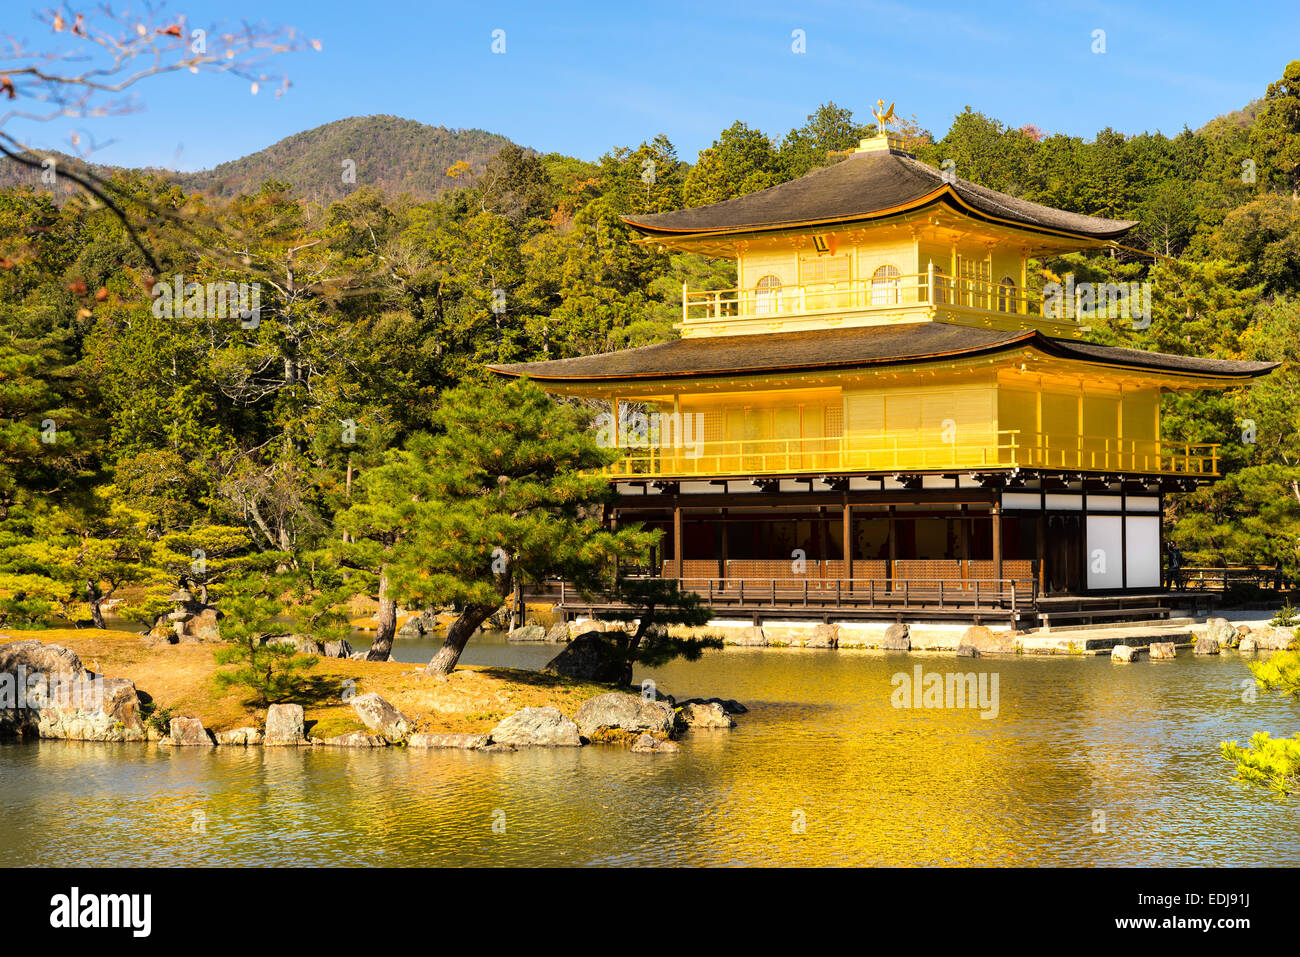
(882, 416)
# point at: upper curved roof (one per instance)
(859, 347)
(866, 186)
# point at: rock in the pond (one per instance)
(239, 736)
(537, 727)
(527, 633)
(1124, 653)
(1221, 630)
(630, 714)
(382, 718)
(705, 714)
(1206, 645)
(1247, 644)
(897, 638)
(284, 726)
(987, 641)
(353, 739)
(338, 649)
(466, 742)
(559, 633)
(188, 732)
(729, 705)
(413, 627)
(1162, 649)
(649, 744)
(967, 651)
(589, 657)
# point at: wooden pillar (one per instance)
(847, 518)
(1041, 547)
(722, 563)
(677, 538)
(822, 535)
(1024, 283)
(893, 545)
(996, 512)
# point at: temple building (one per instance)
(883, 415)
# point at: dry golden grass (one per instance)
(471, 699)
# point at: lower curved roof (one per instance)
(857, 347)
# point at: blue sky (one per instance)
(582, 78)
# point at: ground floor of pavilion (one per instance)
(973, 546)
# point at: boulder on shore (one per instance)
(537, 728)
(627, 713)
(465, 742)
(56, 697)
(559, 633)
(1247, 644)
(824, 636)
(527, 633)
(188, 732)
(1221, 630)
(988, 642)
(589, 657)
(338, 649)
(239, 736)
(303, 644)
(897, 638)
(284, 726)
(1274, 639)
(1206, 645)
(382, 718)
(353, 739)
(36, 657)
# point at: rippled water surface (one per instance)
(823, 770)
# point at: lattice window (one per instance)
(824, 269)
(834, 421)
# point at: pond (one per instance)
(1086, 763)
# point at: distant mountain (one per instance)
(399, 157)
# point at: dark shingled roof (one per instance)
(850, 348)
(859, 188)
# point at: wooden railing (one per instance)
(1009, 598)
(888, 293)
(918, 450)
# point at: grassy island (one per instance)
(181, 678)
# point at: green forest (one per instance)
(139, 451)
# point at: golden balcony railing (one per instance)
(859, 295)
(922, 450)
